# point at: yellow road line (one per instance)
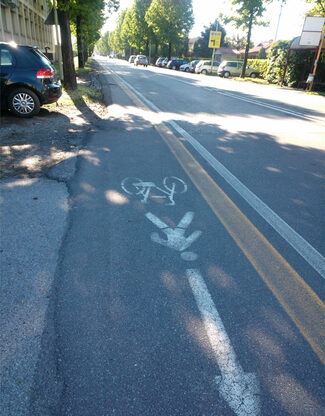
(300, 302)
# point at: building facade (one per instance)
(23, 21)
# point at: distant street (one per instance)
(190, 280)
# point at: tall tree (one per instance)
(141, 30)
(247, 14)
(170, 20)
(127, 36)
(69, 73)
(103, 46)
(201, 46)
(117, 42)
(88, 17)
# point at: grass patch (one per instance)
(84, 95)
(255, 80)
(83, 72)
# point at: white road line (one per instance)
(239, 389)
(272, 107)
(306, 250)
(248, 100)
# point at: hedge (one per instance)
(259, 64)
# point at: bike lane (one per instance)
(157, 310)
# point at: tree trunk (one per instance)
(69, 82)
(169, 50)
(81, 62)
(243, 70)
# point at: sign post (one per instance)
(313, 34)
(214, 42)
(311, 77)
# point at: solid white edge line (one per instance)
(305, 249)
(249, 100)
(240, 390)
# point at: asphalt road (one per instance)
(191, 276)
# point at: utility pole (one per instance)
(278, 24)
(58, 39)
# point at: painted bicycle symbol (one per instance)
(171, 186)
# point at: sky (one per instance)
(291, 22)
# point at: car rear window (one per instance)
(41, 56)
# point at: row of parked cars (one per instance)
(224, 69)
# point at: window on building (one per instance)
(4, 18)
(14, 22)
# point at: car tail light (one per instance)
(45, 73)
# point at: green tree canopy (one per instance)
(237, 42)
(247, 13)
(102, 46)
(87, 18)
(170, 20)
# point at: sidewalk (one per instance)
(38, 159)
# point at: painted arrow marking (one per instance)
(239, 389)
(175, 236)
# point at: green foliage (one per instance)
(87, 18)
(276, 61)
(102, 46)
(237, 42)
(260, 65)
(318, 8)
(262, 54)
(116, 42)
(247, 13)
(201, 46)
(299, 65)
(170, 20)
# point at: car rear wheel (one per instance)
(204, 71)
(24, 102)
(226, 74)
(187, 69)
(173, 67)
(253, 75)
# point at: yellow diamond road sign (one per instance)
(215, 39)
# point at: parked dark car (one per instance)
(193, 65)
(27, 79)
(176, 63)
